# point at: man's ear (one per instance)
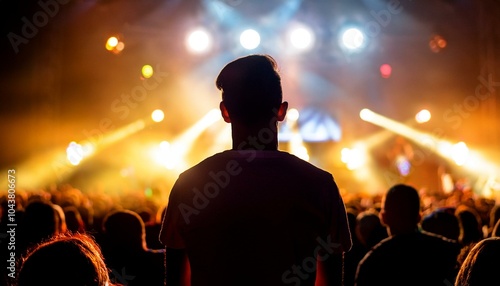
(282, 111)
(224, 113)
(383, 217)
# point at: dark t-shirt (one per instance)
(419, 258)
(255, 218)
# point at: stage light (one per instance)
(292, 114)
(250, 39)
(353, 158)
(147, 71)
(423, 116)
(403, 165)
(165, 155)
(76, 152)
(352, 39)
(111, 43)
(366, 114)
(385, 70)
(157, 115)
(460, 153)
(199, 41)
(301, 38)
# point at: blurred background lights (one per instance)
(423, 116)
(301, 38)
(460, 153)
(352, 39)
(75, 152)
(157, 115)
(353, 158)
(147, 71)
(437, 43)
(250, 39)
(366, 114)
(292, 114)
(114, 45)
(385, 70)
(111, 43)
(198, 41)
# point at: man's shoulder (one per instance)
(235, 159)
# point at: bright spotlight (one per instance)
(157, 115)
(302, 38)
(114, 45)
(198, 41)
(352, 39)
(353, 158)
(292, 114)
(250, 39)
(75, 152)
(423, 116)
(460, 153)
(366, 114)
(111, 43)
(147, 71)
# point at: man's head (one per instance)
(401, 209)
(251, 91)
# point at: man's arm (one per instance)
(177, 267)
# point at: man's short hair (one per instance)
(402, 200)
(251, 88)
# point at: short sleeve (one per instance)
(339, 230)
(170, 235)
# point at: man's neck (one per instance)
(254, 138)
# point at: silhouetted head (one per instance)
(64, 260)
(443, 222)
(481, 265)
(401, 209)
(369, 229)
(74, 220)
(40, 221)
(251, 91)
(125, 229)
(470, 225)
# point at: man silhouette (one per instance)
(408, 256)
(252, 215)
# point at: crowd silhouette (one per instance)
(116, 235)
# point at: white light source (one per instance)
(157, 115)
(250, 39)
(198, 41)
(460, 153)
(352, 39)
(292, 114)
(423, 116)
(366, 114)
(301, 38)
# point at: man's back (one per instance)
(255, 218)
(417, 258)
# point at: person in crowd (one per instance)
(408, 256)
(481, 265)
(442, 221)
(369, 229)
(126, 253)
(252, 215)
(40, 221)
(74, 221)
(494, 218)
(470, 225)
(64, 260)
